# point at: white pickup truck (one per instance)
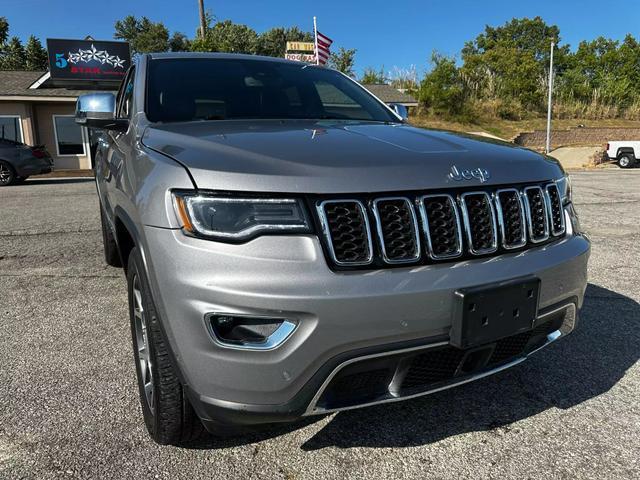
(625, 153)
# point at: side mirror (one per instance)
(400, 110)
(97, 110)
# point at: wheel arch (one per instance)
(624, 150)
(127, 237)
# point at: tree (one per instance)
(143, 35)
(343, 61)
(35, 55)
(229, 37)
(404, 79)
(13, 57)
(371, 76)
(273, 42)
(4, 30)
(442, 89)
(510, 62)
(179, 42)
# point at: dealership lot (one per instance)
(68, 398)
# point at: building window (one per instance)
(10, 128)
(69, 137)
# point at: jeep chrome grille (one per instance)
(511, 218)
(555, 209)
(346, 227)
(537, 216)
(442, 228)
(479, 222)
(449, 225)
(397, 229)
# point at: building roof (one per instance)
(389, 94)
(16, 83)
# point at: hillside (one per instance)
(509, 129)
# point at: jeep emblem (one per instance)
(481, 174)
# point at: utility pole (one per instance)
(203, 22)
(550, 98)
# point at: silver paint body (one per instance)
(287, 276)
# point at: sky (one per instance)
(385, 33)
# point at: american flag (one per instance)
(322, 48)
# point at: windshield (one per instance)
(185, 89)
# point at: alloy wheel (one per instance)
(142, 345)
(5, 174)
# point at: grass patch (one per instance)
(509, 129)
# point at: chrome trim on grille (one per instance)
(467, 223)
(527, 207)
(501, 224)
(327, 233)
(566, 328)
(416, 230)
(426, 229)
(555, 233)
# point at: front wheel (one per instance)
(626, 160)
(168, 415)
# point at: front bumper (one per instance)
(340, 316)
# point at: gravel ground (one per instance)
(69, 406)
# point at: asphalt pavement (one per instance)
(69, 403)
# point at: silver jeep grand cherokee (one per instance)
(293, 247)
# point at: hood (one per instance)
(300, 156)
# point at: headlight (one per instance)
(564, 185)
(239, 219)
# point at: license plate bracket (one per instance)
(490, 312)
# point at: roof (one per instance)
(389, 94)
(17, 82)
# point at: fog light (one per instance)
(249, 332)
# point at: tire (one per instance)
(626, 160)
(7, 174)
(168, 415)
(111, 252)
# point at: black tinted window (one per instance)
(217, 89)
(124, 104)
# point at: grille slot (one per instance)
(397, 229)
(480, 222)
(442, 226)
(511, 218)
(346, 228)
(537, 218)
(556, 212)
(432, 366)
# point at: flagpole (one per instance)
(315, 40)
(548, 145)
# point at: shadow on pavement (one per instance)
(577, 368)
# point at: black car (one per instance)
(18, 161)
